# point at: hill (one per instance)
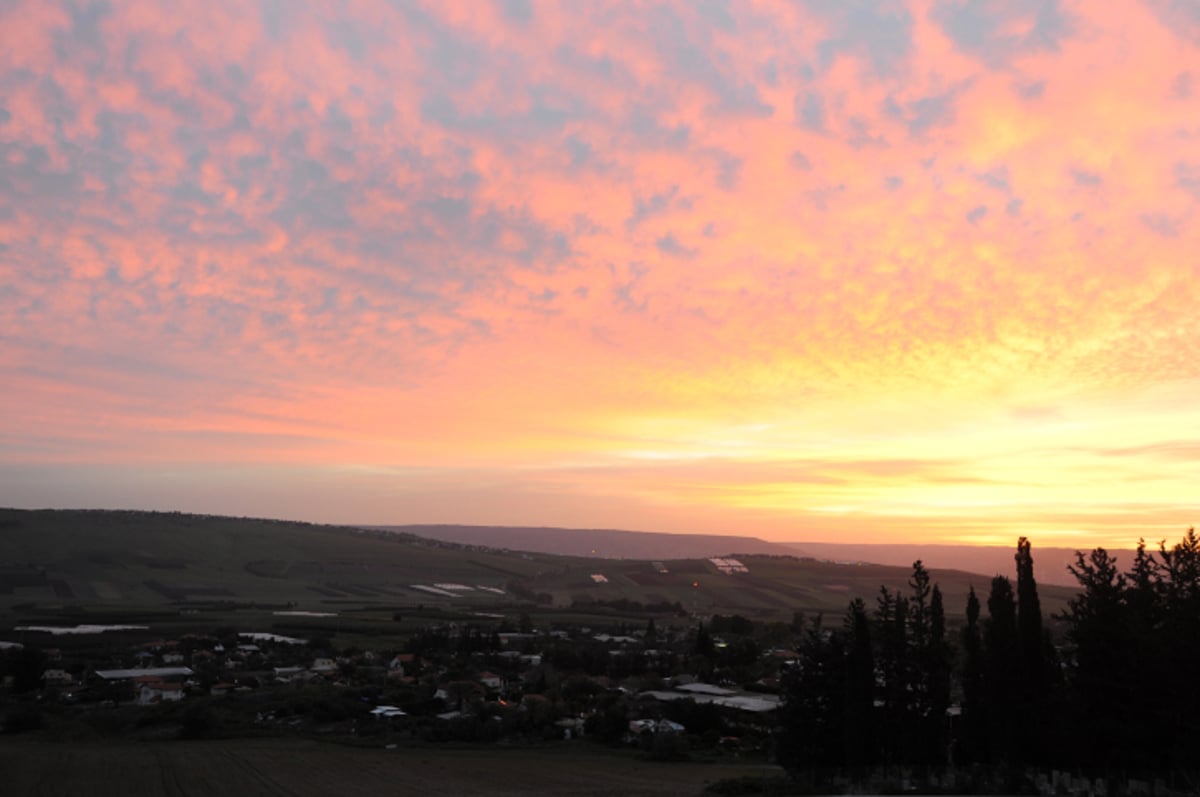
(601, 543)
(87, 562)
(1050, 564)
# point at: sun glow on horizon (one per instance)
(785, 270)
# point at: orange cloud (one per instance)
(775, 268)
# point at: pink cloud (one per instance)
(467, 236)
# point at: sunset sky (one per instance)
(857, 270)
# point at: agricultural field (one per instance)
(139, 558)
(189, 570)
(771, 588)
(274, 767)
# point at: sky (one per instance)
(866, 271)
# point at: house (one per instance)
(491, 680)
(638, 727)
(286, 674)
(172, 673)
(56, 677)
(387, 712)
(324, 665)
(151, 689)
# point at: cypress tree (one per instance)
(890, 611)
(973, 733)
(937, 669)
(1032, 715)
(860, 690)
(1001, 670)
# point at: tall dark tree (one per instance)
(937, 670)
(811, 743)
(973, 729)
(1180, 647)
(918, 605)
(1104, 695)
(1029, 611)
(929, 669)
(860, 745)
(1032, 709)
(26, 665)
(895, 670)
(1001, 671)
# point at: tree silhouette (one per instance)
(1031, 720)
(975, 722)
(860, 744)
(1001, 671)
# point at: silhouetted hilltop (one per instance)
(602, 543)
(988, 560)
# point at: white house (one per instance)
(56, 676)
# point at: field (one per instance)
(163, 569)
(144, 558)
(301, 768)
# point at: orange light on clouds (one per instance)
(921, 272)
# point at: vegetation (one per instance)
(915, 686)
(1118, 698)
(98, 563)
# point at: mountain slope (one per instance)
(602, 543)
(1050, 564)
(85, 560)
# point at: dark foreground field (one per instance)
(279, 767)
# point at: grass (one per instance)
(302, 767)
(120, 566)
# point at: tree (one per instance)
(929, 668)
(704, 643)
(1029, 612)
(1032, 712)
(1001, 670)
(1102, 693)
(973, 734)
(26, 665)
(812, 712)
(895, 670)
(936, 668)
(859, 725)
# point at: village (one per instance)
(707, 687)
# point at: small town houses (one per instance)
(449, 682)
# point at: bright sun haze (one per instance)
(870, 272)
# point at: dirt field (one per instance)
(301, 768)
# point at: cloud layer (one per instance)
(919, 270)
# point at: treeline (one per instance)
(624, 606)
(893, 689)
